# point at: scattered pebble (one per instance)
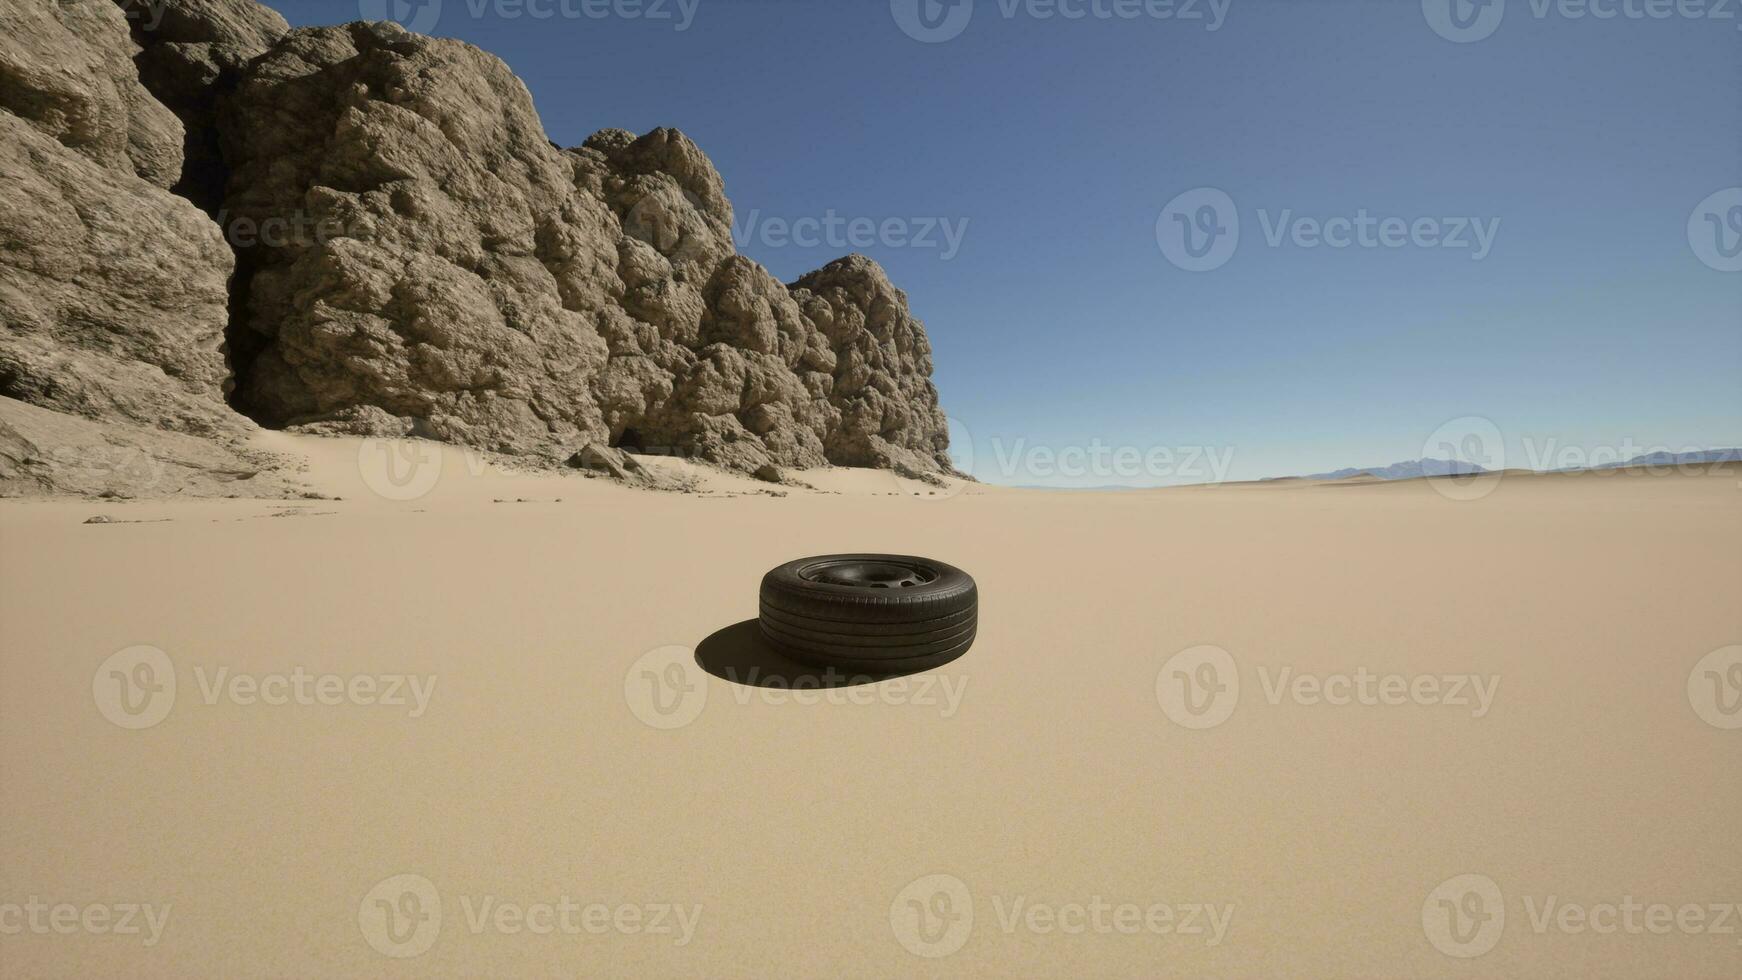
(100, 519)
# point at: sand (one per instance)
(581, 798)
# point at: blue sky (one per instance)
(1049, 148)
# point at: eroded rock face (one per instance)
(412, 256)
(66, 67)
(883, 387)
(424, 215)
(448, 272)
(113, 292)
(48, 452)
(192, 52)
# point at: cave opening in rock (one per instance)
(242, 345)
(629, 440)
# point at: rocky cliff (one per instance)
(403, 252)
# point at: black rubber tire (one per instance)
(875, 614)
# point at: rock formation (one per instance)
(113, 291)
(448, 272)
(411, 256)
(191, 53)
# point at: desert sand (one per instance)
(584, 799)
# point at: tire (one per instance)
(876, 614)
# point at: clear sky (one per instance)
(1028, 160)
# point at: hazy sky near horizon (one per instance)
(1548, 266)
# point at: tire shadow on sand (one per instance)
(740, 654)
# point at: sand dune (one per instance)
(554, 746)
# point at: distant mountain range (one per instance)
(1408, 470)
(1416, 468)
(1672, 459)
